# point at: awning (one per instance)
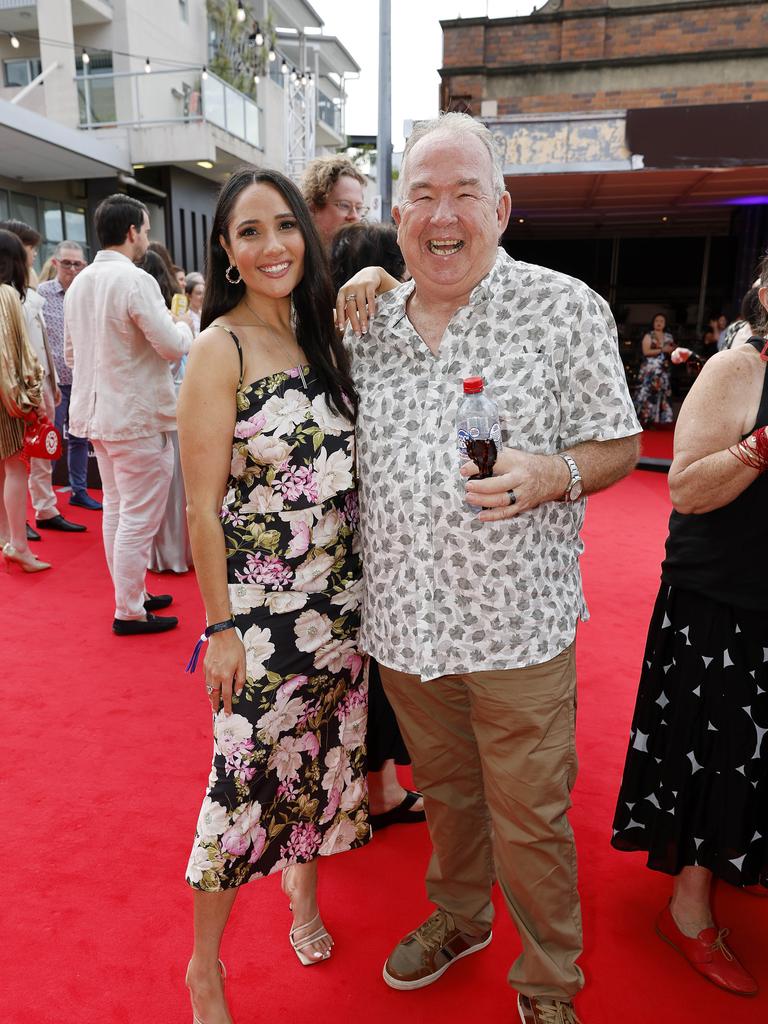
(696, 200)
(34, 148)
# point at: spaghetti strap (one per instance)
(239, 349)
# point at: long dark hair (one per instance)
(13, 262)
(155, 267)
(761, 326)
(365, 245)
(313, 296)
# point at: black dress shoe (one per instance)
(137, 627)
(155, 602)
(59, 523)
(32, 534)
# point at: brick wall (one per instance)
(685, 30)
(594, 36)
(619, 99)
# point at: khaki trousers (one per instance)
(494, 755)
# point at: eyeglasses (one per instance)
(347, 207)
(71, 264)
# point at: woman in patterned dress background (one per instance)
(266, 428)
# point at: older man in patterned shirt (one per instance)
(472, 615)
(68, 259)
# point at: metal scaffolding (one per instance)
(299, 126)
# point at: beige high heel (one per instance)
(297, 936)
(222, 972)
(25, 559)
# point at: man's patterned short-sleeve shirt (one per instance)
(444, 592)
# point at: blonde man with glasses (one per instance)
(333, 188)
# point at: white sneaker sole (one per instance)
(407, 986)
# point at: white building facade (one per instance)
(99, 96)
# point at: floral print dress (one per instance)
(288, 777)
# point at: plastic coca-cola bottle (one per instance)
(478, 430)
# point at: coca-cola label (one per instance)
(465, 434)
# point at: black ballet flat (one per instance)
(400, 815)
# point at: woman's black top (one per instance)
(723, 554)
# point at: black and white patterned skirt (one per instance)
(695, 784)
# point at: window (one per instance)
(96, 97)
(52, 221)
(21, 72)
(24, 208)
(74, 225)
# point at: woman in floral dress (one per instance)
(654, 386)
(266, 429)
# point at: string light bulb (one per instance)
(256, 78)
(259, 35)
(86, 57)
(147, 67)
(272, 56)
(294, 75)
(15, 41)
(204, 73)
(304, 78)
(240, 11)
(284, 68)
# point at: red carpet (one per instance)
(657, 443)
(105, 757)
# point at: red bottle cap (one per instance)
(473, 385)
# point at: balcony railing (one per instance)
(328, 112)
(112, 99)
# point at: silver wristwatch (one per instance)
(576, 486)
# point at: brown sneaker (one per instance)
(422, 956)
(540, 1010)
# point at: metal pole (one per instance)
(384, 142)
(612, 284)
(703, 286)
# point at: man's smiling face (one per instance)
(449, 218)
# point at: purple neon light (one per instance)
(746, 201)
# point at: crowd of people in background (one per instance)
(261, 494)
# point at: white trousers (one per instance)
(135, 476)
(41, 470)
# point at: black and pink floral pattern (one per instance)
(288, 777)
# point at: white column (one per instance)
(54, 19)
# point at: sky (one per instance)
(417, 51)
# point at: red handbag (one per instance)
(41, 439)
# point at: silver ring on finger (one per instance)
(212, 689)
(512, 497)
(350, 298)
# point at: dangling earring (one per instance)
(239, 275)
(293, 315)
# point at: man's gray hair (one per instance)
(455, 126)
(67, 245)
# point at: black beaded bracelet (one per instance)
(219, 627)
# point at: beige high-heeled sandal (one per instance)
(222, 972)
(25, 559)
(300, 942)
